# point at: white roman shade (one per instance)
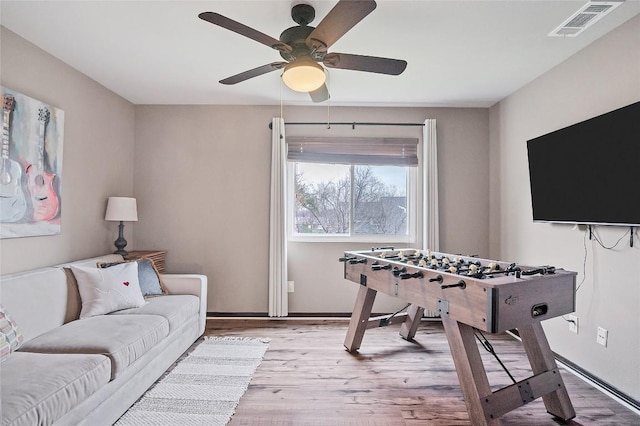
(372, 151)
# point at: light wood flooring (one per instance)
(307, 378)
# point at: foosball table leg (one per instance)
(410, 326)
(541, 359)
(471, 373)
(359, 318)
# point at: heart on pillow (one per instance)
(102, 290)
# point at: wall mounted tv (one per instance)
(588, 173)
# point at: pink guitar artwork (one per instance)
(13, 204)
(43, 197)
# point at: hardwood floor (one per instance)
(307, 378)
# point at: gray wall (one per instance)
(602, 77)
(202, 180)
(97, 156)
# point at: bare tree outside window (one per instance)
(380, 207)
(343, 199)
(323, 195)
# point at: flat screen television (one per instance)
(588, 173)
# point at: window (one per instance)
(353, 201)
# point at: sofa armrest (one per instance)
(194, 284)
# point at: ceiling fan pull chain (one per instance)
(281, 109)
(328, 100)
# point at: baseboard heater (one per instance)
(327, 315)
(427, 314)
(599, 382)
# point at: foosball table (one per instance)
(470, 295)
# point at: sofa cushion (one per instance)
(123, 338)
(41, 388)
(177, 309)
(107, 290)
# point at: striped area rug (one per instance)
(202, 389)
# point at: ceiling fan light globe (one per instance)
(304, 76)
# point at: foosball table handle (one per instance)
(377, 267)
(352, 260)
(406, 276)
(460, 284)
(437, 279)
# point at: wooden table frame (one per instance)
(484, 406)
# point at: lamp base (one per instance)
(121, 243)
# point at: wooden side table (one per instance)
(157, 256)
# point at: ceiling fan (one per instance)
(303, 47)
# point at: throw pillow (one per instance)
(148, 276)
(4, 348)
(10, 336)
(108, 290)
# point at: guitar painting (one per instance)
(30, 166)
(13, 204)
(44, 200)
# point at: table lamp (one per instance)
(122, 209)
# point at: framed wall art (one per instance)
(31, 167)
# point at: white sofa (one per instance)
(90, 371)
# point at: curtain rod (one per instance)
(344, 123)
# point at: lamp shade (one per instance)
(303, 76)
(121, 209)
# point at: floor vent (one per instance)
(584, 18)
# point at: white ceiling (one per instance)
(460, 53)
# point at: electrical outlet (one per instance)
(290, 286)
(573, 323)
(603, 335)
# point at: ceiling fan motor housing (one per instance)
(296, 38)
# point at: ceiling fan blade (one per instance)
(344, 16)
(321, 94)
(237, 27)
(253, 73)
(365, 63)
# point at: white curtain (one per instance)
(431, 220)
(278, 296)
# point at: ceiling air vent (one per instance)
(584, 18)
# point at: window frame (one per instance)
(413, 174)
